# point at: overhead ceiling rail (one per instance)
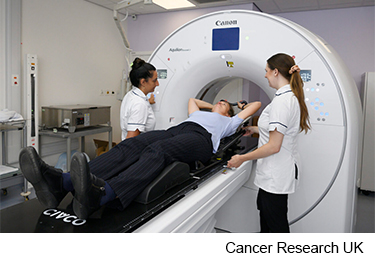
(121, 5)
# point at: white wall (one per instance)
(80, 52)
(2, 54)
(10, 66)
(10, 54)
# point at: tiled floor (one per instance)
(366, 213)
(365, 207)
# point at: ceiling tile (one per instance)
(339, 3)
(292, 5)
(145, 9)
(267, 6)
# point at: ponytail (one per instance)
(287, 68)
(296, 85)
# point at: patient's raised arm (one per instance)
(249, 109)
(196, 104)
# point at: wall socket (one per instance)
(15, 80)
(107, 92)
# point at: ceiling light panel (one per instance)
(173, 4)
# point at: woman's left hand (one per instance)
(235, 161)
(151, 100)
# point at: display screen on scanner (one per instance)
(226, 38)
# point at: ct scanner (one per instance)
(199, 58)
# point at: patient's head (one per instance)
(224, 108)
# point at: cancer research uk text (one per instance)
(285, 248)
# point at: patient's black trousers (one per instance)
(132, 164)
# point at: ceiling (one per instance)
(266, 6)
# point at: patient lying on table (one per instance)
(125, 170)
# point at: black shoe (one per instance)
(46, 179)
(88, 188)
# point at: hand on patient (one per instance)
(235, 161)
(251, 130)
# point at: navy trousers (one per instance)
(273, 210)
(134, 163)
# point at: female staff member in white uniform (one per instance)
(136, 114)
(278, 127)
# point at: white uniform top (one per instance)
(276, 173)
(136, 113)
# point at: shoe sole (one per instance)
(78, 172)
(30, 169)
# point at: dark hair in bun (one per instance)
(140, 70)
